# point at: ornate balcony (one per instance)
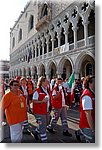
(42, 22)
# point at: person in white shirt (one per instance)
(41, 105)
(87, 111)
(60, 108)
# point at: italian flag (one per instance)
(71, 85)
(71, 80)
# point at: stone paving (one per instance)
(73, 122)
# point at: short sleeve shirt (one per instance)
(63, 99)
(35, 95)
(87, 103)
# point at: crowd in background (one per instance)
(40, 98)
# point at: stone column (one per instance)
(52, 46)
(75, 37)
(23, 72)
(43, 48)
(59, 73)
(47, 42)
(66, 40)
(35, 52)
(52, 39)
(76, 75)
(47, 76)
(38, 72)
(66, 37)
(27, 71)
(19, 72)
(86, 32)
(38, 50)
(32, 72)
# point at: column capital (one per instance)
(75, 28)
(86, 22)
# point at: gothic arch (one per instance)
(82, 60)
(62, 61)
(51, 68)
(65, 67)
(34, 72)
(41, 69)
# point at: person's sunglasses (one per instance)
(15, 85)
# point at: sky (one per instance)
(9, 13)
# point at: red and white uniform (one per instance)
(61, 100)
(87, 102)
(41, 108)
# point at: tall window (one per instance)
(91, 25)
(13, 42)
(33, 51)
(70, 34)
(55, 40)
(31, 23)
(44, 11)
(62, 39)
(45, 47)
(80, 31)
(20, 35)
(50, 45)
(40, 48)
(37, 51)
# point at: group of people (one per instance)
(45, 99)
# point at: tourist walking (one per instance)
(60, 109)
(14, 105)
(23, 88)
(87, 111)
(41, 105)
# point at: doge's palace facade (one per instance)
(53, 39)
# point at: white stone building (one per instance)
(4, 69)
(53, 39)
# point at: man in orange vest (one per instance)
(60, 109)
(87, 111)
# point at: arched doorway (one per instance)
(89, 69)
(42, 70)
(52, 70)
(67, 69)
(29, 72)
(35, 76)
(87, 66)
